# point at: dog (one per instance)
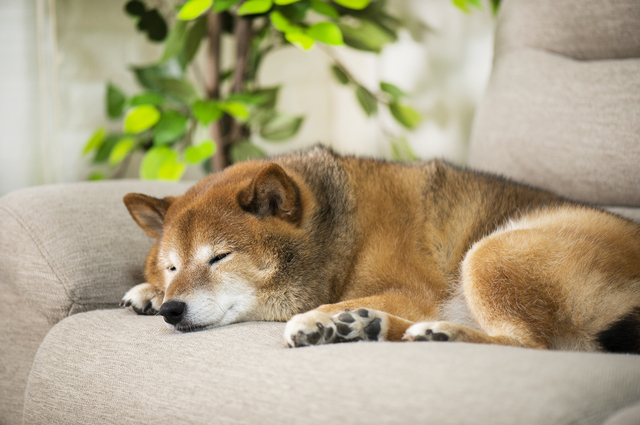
(349, 249)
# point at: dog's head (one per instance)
(224, 250)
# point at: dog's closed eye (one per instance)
(217, 258)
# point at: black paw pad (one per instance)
(346, 317)
(342, 329)
(313, 337)
(328, 333)
(147, 307)
(433, 336)
(363, 312)
(373, 329)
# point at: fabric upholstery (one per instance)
(63, 249)
(577, 29)
(560, 112)
(627, 416)
(126, 369)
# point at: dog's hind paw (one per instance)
(432, 331)
(143, 299)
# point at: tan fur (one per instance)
(414, 243)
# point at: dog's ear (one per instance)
(272, 193)
(148, 212)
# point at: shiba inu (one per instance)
(350, 249)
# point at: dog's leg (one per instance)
(510, 290)
(447, 331)
(143, 299)
(349, 321)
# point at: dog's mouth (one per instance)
(191, 327)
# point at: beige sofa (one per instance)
(562, 111)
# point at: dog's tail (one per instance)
(622, 336)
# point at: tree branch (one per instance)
(214, 31)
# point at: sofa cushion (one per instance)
(561, 109)
(573, 28)
(122, 368)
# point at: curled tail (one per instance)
(622, 336)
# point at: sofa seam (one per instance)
(42, 251)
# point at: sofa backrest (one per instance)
(562, 108)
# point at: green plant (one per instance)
(167, 119)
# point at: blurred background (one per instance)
(56, 57)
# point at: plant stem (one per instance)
(242, 34)
(218, 161)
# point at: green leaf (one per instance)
(245, 150)
(115, 101)
(178, 89)
(95, 141)
(269, 96)
(353, 4)
(326, 32)
(141, 118)
(197, 154)
(281, 23)
(401, 150)
(206, 111)
(261, 116)
(367, 101)
(105, 149)
(392, 90)
(121, 150)
(192, 43)
(300, 40)
(161, 162)
(96, 176)
(222, 5)
(135, 8)
(175, 42)
(367, 36)
(465, 5)
(295, 12)
(235, 109)
(405, 115)
(171, 127)
(194, 8)
(324, 8)
(284, 2)
(148, 76)
(495, 6)
(147, 98)
(253, 7)
(340, 75)
(281, 127)
(153, 23)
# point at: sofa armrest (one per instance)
(63, 250)
(72, 248)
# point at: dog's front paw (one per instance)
(364, 324)
(310, 328)
(143, 299)
(432, 331)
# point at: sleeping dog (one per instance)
(349, 249)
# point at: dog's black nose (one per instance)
(173, 311)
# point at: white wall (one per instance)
(20, 162)
(52, 99)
